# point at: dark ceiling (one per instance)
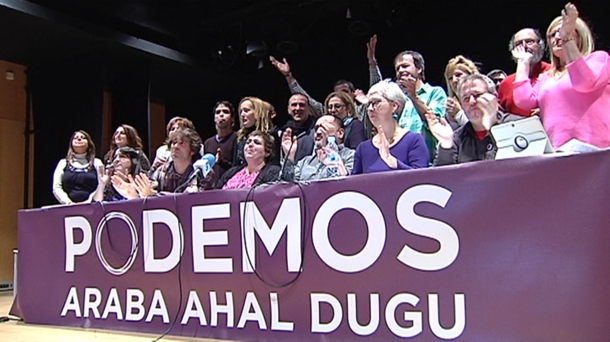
(181, 38)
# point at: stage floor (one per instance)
(14, 331)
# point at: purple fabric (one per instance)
(453, 253)
(411, 153)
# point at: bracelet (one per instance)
(288, 75)
(568, 38)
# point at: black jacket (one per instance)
(305, 134)
(466, 146)
(268, 174)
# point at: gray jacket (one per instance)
(311, 168)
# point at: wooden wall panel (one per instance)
(12, 160)
(157, 127)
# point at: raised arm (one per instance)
(591, 72)
(446, 153)
(291, 168)
(524, 94)
(374, 72)
(294, 86)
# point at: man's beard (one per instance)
(536, 57)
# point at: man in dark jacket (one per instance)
(471, 142)
(301, 125)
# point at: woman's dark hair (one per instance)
(134, 156)
(269, 143)
(133, 141)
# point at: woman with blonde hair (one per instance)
(574, 94)
(341, 105)
(253, 116)
(457, 67)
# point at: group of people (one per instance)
(399, 124)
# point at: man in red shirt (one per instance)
(533, 42)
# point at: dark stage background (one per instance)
(167, 52)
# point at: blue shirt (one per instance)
(434, 98)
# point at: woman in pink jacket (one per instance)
(574, 95)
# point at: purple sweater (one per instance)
(410, 151)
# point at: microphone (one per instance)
(202, 166)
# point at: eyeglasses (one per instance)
(374, 103)
(336, 106)
(527, 41)
(468, 97)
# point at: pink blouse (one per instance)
(575, 106)
(241, 180)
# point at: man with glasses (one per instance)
(533, 42)
(314, 167)
(471, 142)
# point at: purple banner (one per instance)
(510, 250)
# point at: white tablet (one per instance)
(521, 138)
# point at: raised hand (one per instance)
(569, 14)
(361, 97)
(488, 104)
(124, 188)
(384, 145)
(104, 174)
(408, 85)
(440, 129)
(521, 54)
(120, 174)
(370, 49)
(384, 149)
(282, 67)
(452, 107)
(289, 144)
(218, 156)
(142, 185)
